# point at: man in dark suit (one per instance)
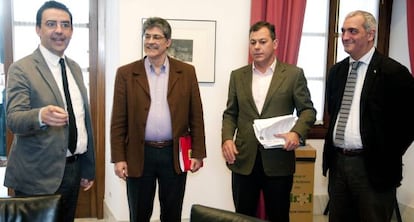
(40, 161)
(364, 158)
(156, 101)
(266, 88)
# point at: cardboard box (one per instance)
(301, 197)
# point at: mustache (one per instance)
(152, 46)
(58, 38)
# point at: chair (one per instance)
(200, 213)
(43, 208)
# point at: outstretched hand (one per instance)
(54, 116)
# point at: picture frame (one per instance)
(194, 42)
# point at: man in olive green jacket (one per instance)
(267, 88)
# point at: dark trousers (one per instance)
(68, 189)
(158, 165)
(352, 198)
(276, 192)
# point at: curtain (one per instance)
(410, 31)
(287, 16)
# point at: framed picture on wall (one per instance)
(194, 42)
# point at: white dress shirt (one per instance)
(352, 135)
(158, 127)
(52, 61)
(260, 85)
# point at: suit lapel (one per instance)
(140, 76)
(47, 75)
(174, 75)
(278, 78)
(369, 78)
(77, 75)
(247, 81)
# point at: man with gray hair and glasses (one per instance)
(156, 102)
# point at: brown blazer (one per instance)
(130, 109)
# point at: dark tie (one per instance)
(73, 132)
(346, 103)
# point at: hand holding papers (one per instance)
(265, 129)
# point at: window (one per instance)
(311, 58)
(323, 19)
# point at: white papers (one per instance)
(265, 129)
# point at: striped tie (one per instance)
(346, 103)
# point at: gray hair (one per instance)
(369, 20)
(157, 22)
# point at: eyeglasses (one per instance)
(156, 37)
(51, 24)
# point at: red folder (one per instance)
(185, 153)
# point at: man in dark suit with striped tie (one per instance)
(365, 141)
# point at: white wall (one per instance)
(211, 185)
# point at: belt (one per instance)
(349, 152)
(71, 159)
(159, 144)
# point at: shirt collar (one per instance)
(151, 68)
(271, 67)
(49, 56)
(364, 59)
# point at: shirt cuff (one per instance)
(41, 123)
